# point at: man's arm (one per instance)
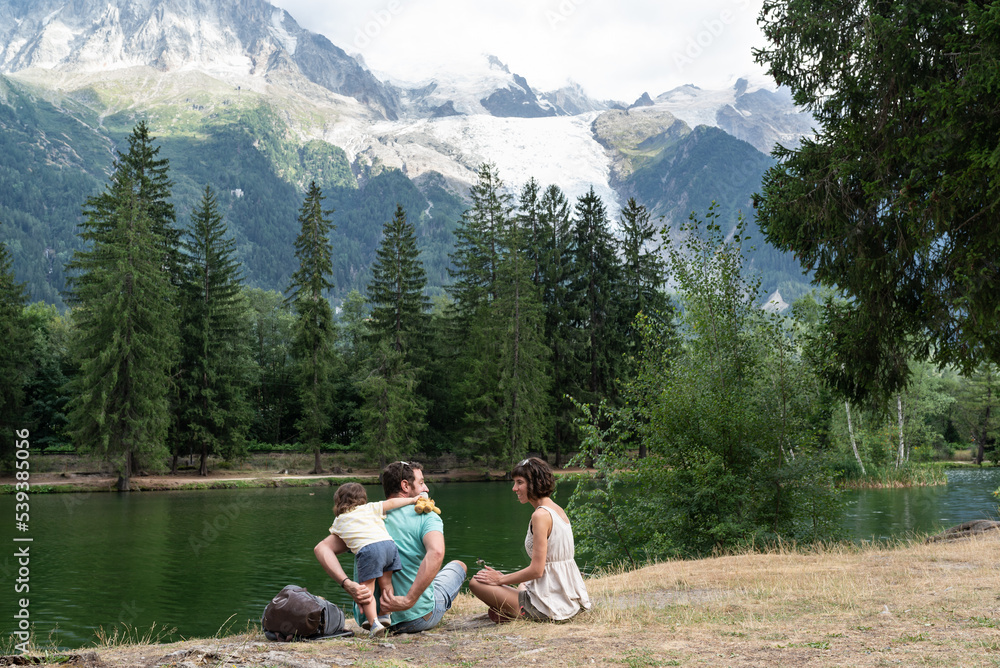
(326, 552)
(429, 567)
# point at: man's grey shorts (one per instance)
(446, 585)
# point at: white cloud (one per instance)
(613, 49)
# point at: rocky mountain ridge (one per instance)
(246, 77)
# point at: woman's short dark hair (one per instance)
(348, 496)
(395, 473)
(538, 474)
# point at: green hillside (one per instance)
(686, 175)
(52, 159)
(55, 151)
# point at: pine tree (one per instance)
(150, 174)
(393, 412)
(126, 318)
(314, 335)
(213, 412)
(561, 305)
(596, 281)
(396, 293)
(14, 353)
(477, 243)
(477, 255)
(523, 400)
(643, 274)
(530, 219)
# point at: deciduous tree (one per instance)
(895, 200)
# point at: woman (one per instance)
(551, 587)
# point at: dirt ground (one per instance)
(919, 604)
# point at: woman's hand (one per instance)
(489, 576)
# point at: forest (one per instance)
(651, 360)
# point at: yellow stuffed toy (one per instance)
(425, 505)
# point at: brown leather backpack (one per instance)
(295, 614)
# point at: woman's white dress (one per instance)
(560, 592)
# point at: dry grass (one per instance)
(910, 605)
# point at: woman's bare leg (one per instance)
(501, 598)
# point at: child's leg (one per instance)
(369, 608)
(385, 582)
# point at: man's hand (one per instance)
(360, 593)
(389, 602)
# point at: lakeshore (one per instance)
(914, 603)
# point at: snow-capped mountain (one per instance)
(226, 39)
(747, 110)
(250, 102)
(487, 86)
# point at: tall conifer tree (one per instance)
(213, 412)
(478, 249)
(523, 400)
(396, 293)
(126, 316)
(530, 219)
(394, 413)
(643, 273)
(597, 279)
(14, 352)
(561, 305)
(314, 335)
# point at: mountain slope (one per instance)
(229, 40)
(245, 100)
(752, 113)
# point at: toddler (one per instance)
(362, 528)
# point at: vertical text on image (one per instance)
(22, 553)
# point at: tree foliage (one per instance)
(393, 413)
(728, 463)
(895, 200)
(15, 351)
(216, 373)
(314, 336)
(125, 315)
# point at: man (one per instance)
(422, 590)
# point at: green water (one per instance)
(193, 560)
(202, 561)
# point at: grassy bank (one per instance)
(911, 604)
(909, 475)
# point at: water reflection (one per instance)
(883, 514)
(194, 560)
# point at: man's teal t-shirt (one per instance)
(408, 529)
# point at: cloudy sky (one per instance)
(615, 49)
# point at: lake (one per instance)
(202, 561)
